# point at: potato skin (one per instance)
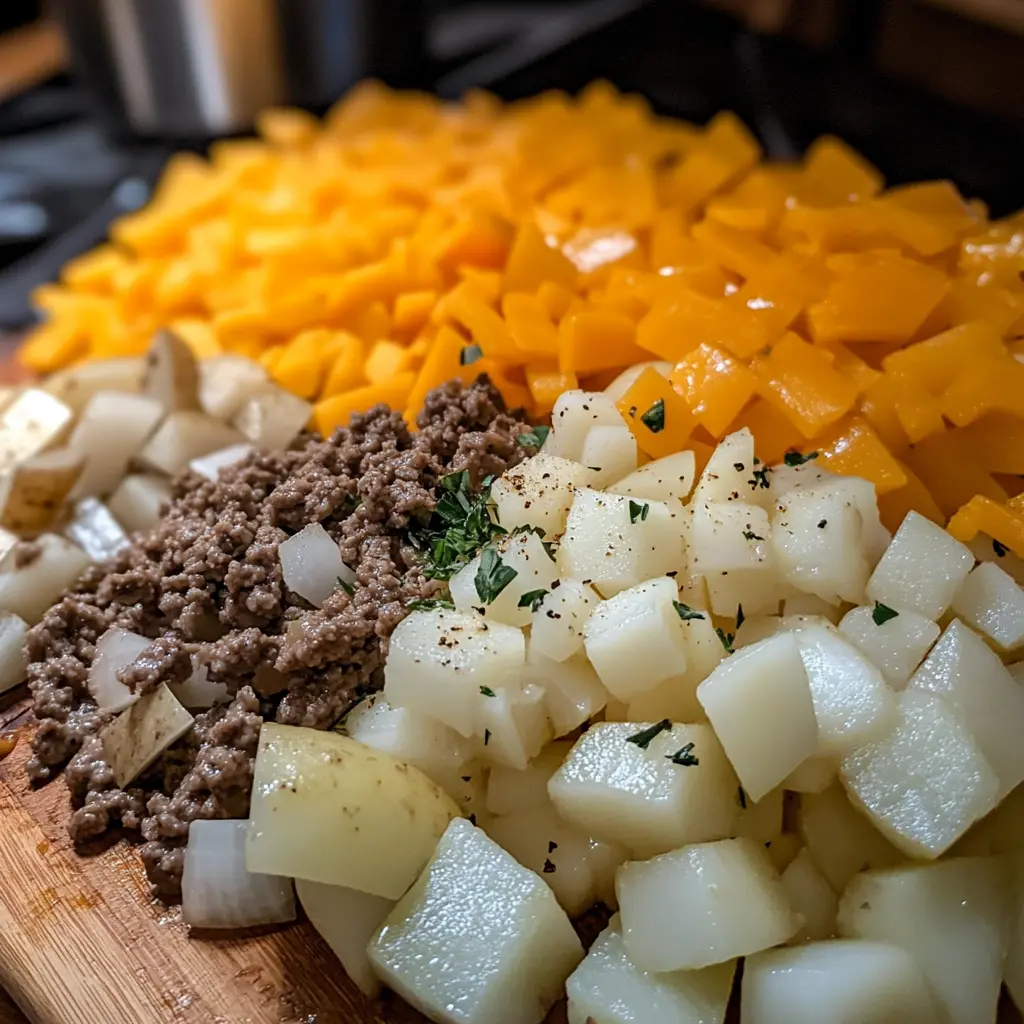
(332, 810)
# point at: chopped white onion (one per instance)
(312, 565)
(198, 692)
(216, 889)
(95, 530)
(114, 650)
(211, 465)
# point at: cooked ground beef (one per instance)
(206, 584)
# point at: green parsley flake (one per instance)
(532, 599)
(684, 756)
(882, 613)
(740, 617)
(726, 638)
(654, 418)
(346, 586)
(999, 549)
(638, 510)
(486, 691)
(492, 575)
(684, 611)
(760, 479)
(643, 738)
(535, 438)
(429, 604)
(794, 458)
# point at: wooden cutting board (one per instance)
(82, 940)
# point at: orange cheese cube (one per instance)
(949, 467)
(1002, 522)
(533, 263)
(591, 340)
(346, 370)
(530, 324)
(854, 449)
(995, 384)
(412, 311)
(715, 385)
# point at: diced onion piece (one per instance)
(139, 735)
(184, 436)
(28, 591)
(198, 692)
(96, 531)
(211, 465)
(272, 418)
(137, 499)
(13, 661)
(116, 649)
(172, 376)
(216, 889)
(32, 422)
(346, 920)
(311, 564)
(33, 493)
(227, 382)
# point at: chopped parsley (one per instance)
(882, 613)
(654, 418)
(684, 756)
(638, 510)
(822, 524)
(760, 479)
(552, 846)
(487, 736)
(643, 738)
(726, 638)
(742, 798)
(532, 599)
(346, 586)
(794, 458)
(750, 535)
(684, 611)
(470, 354)
(549, 868)
(428, 604)
(492, 575)
(999, 549)
(486, 691)
(534, 438)
(740, 617)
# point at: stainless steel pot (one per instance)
(197, 68)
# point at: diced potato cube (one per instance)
(985, 549)
(760, 820)
(136, 501)
(951, 918)
(512, 792)
(993, 603)
(840, 838)
(76, 385)
(556, 627)
(13, 661)
(702, 905)
(115, 649)
(227, 382)
(635, 639)
(32, 494)
(538, 492)
(535, 573)
(211, 465)
(311, 564)
(758, 590)
(727, 536)
(783, 850)
(921, 802)
(113, 427)
(661, 479)
(760, 704)
(172, 374)
(896, 646)
(608, 988)
(612, 543)
(572, 418)
(845, 981)
(182, 437)
(28, 425)
(478, 939)
(513, 725)
(272, 418)
(804, 605)
(815, 775)
(650, 794)
(95, 530)
(610, 453)
(730, 472)
(628, 377)
(29, 591)
(921, 570)
(970, 678)
(572, 691)
(439, 661)
(811, 897)
(852, 702)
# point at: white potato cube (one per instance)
(346, 920)
(760, 820)
(182, 437)
(661, 479)
(815, 775)
(272, 418)
(840, 838)
(610, 453)
(845, 981)
(535, 574)
(29, 591)
(811, 897)
(572, 690)
(513, 725)
(896, 646)
(628, 377)
(13, 660)
(758, 590)
(31, 423)
(614, 546)
(556, 627)
(115, 649)
(702, 905)
(783, 850)
(852, 702)
(635, 639)
(921, 802)
(727, 536)
(810, 605)
(33, 492)
(95, 530)
(226, 382)
(760, 704)
(75, 385)
(951, 918)
(574, 415)
(651, 790)
(478, 939)
(137, 499)
(439, 660)
(311, 564)
(512, 792)
(921, 570)
(211, 465)
(729, 473)
(608, 988)
(993, 603)
(985, 549)
(538, 492)
(964, 672)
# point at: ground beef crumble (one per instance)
(206, 586)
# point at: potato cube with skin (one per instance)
(538, 492)
(137, 500)
(438, 661)
(513, 724)
(30, 588)
(970, 678)
(896, 645)
(32, 494)
(726, 536)
(922, 569)
(140, 734)
(922, 802)
(574, 415)
(811, 897)
(31, 423)
(759, 702)
(182, 437)
(608, 988)
(844, 981)
(613, 544)
(556, 627)
(76, 385)
(272, 418)
(609, 453)
(993, 603)
(573, 693)
(13, 661)
(701, 905)
(650, 788)
(661, 479)
(635, 639)
(478, 939)
(952, 918)
(852, 702)
(172, 374)
(227, 382)
(535, 572)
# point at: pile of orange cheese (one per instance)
(554, 242)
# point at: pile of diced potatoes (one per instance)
(728, 705)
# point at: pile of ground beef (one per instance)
(206, 586)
